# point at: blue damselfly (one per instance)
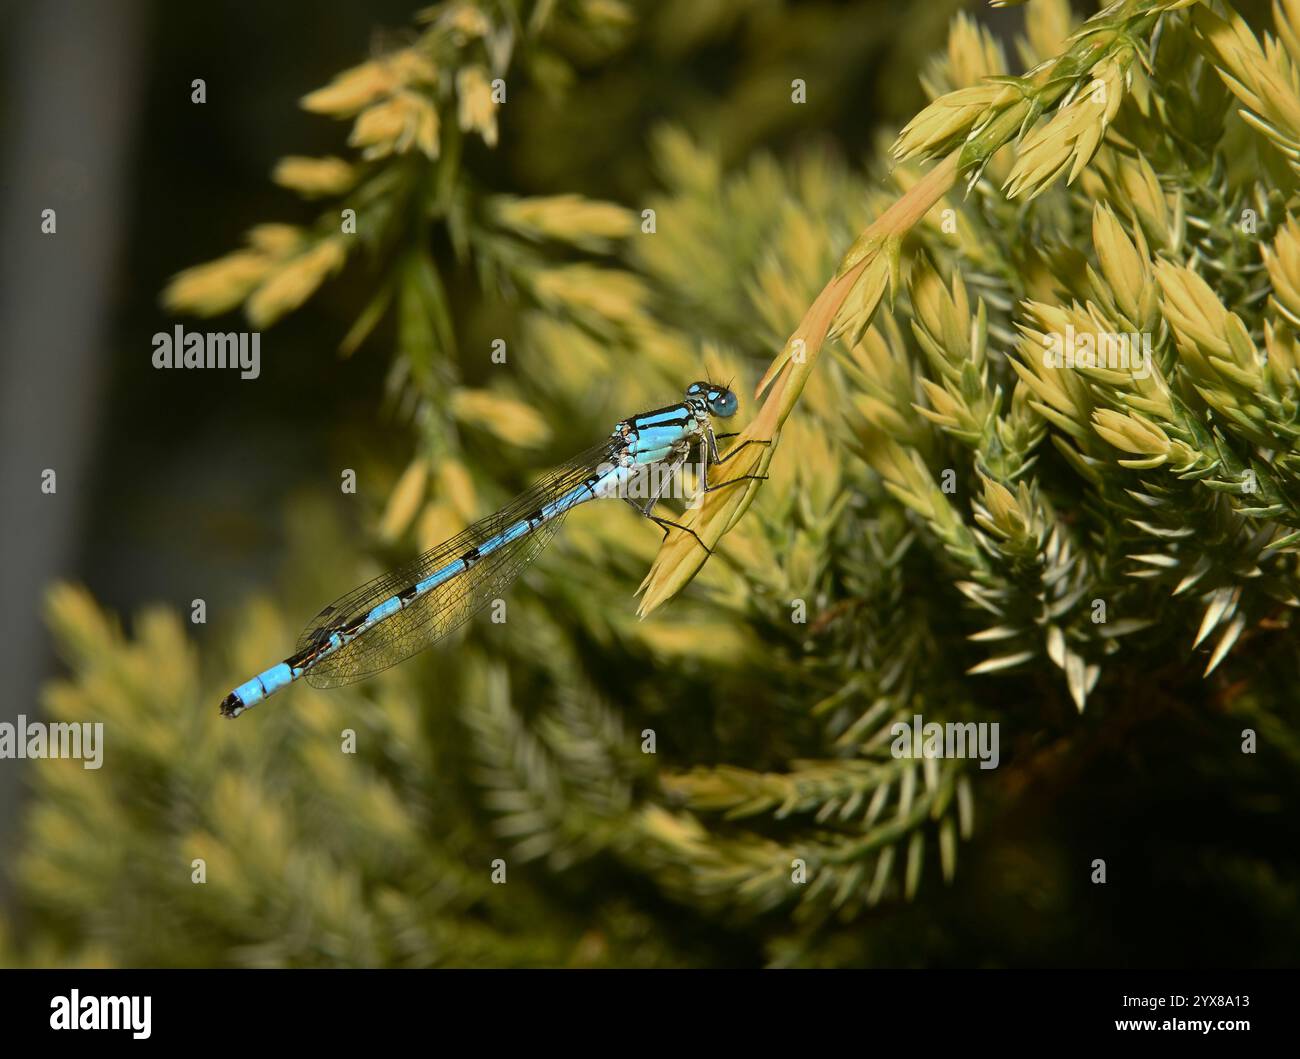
(394, 616)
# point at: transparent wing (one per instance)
(448, 606)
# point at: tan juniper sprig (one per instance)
(352, 91)
(477, 109)
(1126, 301)
(407, 120)
(952, 117)
(218, 286)
(1061, 395)
(392, 99)
(950, 225)
(981, 119)
(399, 105)
(972, 63)
(1263, 78)
(972, 55)
(1017, 539)
(570, 219)
(953, 335)
(295, 281)
(1282, 360)
(883, 389)
(513, 421)
(1150, 445)
(1218, 355)
(1048, 25)
(314, 177)
(846, 304)
(1071, 137)
(1282, 260)
(405, 500)
(606, 300)
(1013, 518)
(1125, 286)
(910, 481)
(954, 342)
(1126, 306)
(1131, 186)
(970, 125)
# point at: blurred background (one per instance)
(520, 745)
(102, 129)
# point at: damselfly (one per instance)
(394, 616)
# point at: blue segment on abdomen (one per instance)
(382, 610)
(439, 576)
(267, 683)
(282, 675)
(276, 677)
(510, 533)
(590, 490)
(459, 566)
(393, 603)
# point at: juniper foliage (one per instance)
(1100, 557)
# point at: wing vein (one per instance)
(446, 607)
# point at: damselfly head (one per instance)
(721, 402)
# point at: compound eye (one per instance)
(723, 403)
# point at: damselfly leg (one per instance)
(711, 445)
(708, 447)
(646, 509)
